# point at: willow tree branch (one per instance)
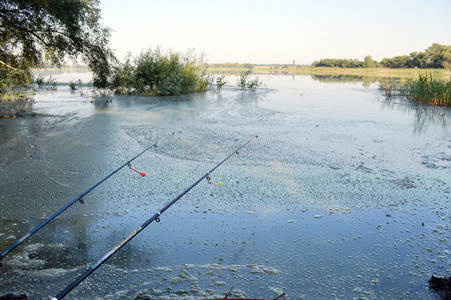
(8, 66)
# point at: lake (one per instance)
(344, 194)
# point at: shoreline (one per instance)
(406, 73)
(444, 74)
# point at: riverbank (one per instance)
(444, 74)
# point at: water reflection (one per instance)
(366, 80)
(423, 116)
(16, 109)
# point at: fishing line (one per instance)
(79, 199)
(155, 217)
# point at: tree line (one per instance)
(34, 33)
(234, 65)
(435, 57)
(346, 63)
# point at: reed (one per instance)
(427, 90)
(389, 88)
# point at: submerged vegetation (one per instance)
(158, 73)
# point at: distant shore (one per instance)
(407, 73)
(412, 73)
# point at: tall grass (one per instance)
(158, 73)
(427, 90)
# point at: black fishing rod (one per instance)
(155, 217)
(79, 198)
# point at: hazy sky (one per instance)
(278, 31)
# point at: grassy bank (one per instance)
(443, 74)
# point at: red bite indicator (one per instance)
(140, 173)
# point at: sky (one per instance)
(278, 32)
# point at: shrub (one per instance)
(75, 85)
(158, 73)
(220, 82)
(244, 82)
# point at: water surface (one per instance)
(344, 194)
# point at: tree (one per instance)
(439, 55)
(369, 62)
(419, 60)
(401, 61)
(35, 31)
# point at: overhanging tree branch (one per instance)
(37, 31)
(8, 66)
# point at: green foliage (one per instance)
(75, 85)
(49, 84)
(158, 73)
(123, 77)
(439, 56)
(428, 91)
(435, 57)
(33, 32)
(39, 80)
(369, 62)
(244, 82)
(220, 82)
(14, 79)
(346, 63)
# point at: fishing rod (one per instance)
(79, 198)
(155, 217)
